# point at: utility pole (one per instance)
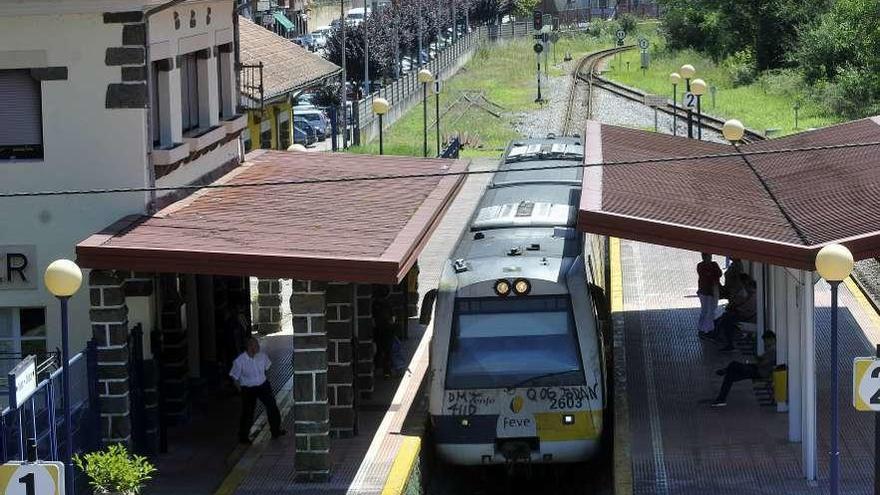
(366, 53)
(344, 79)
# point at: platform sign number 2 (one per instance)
(41, 478)
(866, 384)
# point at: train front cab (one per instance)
(517, 377)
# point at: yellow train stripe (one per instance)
(616, 275)
(550, 427)
(406, 459)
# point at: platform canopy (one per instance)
(779, 208)
(349, 231)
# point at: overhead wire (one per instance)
(374, 178)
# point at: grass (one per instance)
(765, 104)
(505, 73)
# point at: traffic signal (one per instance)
(538, 20)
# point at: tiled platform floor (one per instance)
(681, 446)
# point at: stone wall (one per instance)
(311, 412)
(109, 317)
(340, 370)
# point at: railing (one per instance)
(403, 92)
(35, 431)
(252, 90)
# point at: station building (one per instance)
(97, 94)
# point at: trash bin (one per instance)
(780, 383)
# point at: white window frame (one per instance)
(16, 337)
(189, 92)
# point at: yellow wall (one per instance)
(269, 112)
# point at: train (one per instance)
(518, 351)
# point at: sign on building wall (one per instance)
(18, 267)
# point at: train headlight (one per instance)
(568, 419)
(502, 287)
(465, 422)
(521, 286)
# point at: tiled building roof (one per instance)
(361, 231)
(286, 66)
(780, 208)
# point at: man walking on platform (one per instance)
(249, 373)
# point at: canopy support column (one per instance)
(795, 359)
(758, 274)
(778, 308)
(808, 347)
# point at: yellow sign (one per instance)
(38, 478)
(866, 384)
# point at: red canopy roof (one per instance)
(779, 208)
(360, 231)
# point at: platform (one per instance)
(680, 445)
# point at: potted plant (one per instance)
(114, 471)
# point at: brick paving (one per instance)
(681, 446)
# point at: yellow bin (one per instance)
(780, 383)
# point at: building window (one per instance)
(22, 333)
(21, 116)
(284, 134)
(265, 135)
(189, 91)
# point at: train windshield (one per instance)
(513, 342)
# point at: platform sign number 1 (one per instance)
(40, 478)
(866, 384)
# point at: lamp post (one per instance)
(437, 113)
(733, 131)
(63, 278)
(425, 77)
(834, 263)
(687, 71)
(675, 78)
(698, 88)
(380, 108)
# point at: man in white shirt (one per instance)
(249, 373)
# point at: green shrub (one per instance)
(741, 66)
(853, 93)
(115, 471)
(627, 22)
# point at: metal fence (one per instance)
(405, 91)
(35, 431)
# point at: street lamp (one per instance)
(425, 77)
(733, 131)
(834, 263)
(698, 88)
(437, 112)
(687, 71)
(674, 78)
(63, 278)
(380, 108)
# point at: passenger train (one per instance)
(517, 357)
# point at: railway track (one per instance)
(585, 72)
(706, 121)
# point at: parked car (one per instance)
(300, 136)
(320, 35)
(311, 134)
(306, 41)
(356, 16)
(316, 118)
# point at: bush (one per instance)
(627, 22)
(115, 471)
(853, 94)
(741, 66)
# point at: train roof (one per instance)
(526, 218)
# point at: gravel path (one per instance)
(537, 123)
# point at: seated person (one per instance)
(733, 280)
(742, 308)
(737, 371)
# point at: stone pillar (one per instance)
(173, 360)
(209, 101)
(226, 60)
(171, 127)
(268, 317)
(340, 371)
(310, 408)
(412, 291)
(366, 349)
(109, 317)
